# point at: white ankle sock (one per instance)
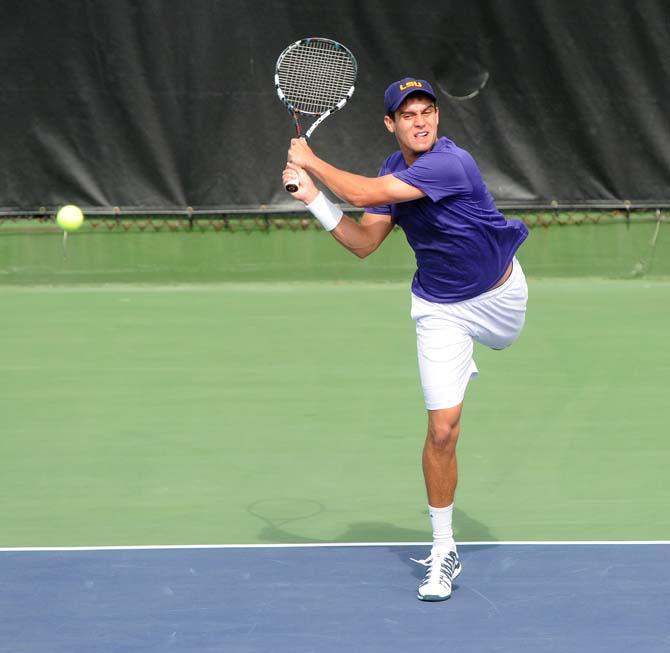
(443, 534)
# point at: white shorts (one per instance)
(445, 334)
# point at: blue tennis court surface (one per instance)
(510, 597)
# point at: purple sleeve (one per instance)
(385, 209)
(437, 174)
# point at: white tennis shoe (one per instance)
(442, 569)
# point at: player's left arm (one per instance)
(357, 190)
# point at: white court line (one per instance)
(161, 547)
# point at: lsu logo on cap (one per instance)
(412, 84)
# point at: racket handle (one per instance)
(292, 186)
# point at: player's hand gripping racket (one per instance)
(314, 77)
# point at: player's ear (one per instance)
(390, 124)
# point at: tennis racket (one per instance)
(314, 77)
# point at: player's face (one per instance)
(415, 125)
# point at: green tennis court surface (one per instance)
(291, 411)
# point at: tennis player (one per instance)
(468, 284)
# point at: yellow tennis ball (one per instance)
(69, 217)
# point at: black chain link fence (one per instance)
(303, 221)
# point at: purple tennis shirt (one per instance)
(462, 243)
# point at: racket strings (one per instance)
(316, 75)
(316, 83)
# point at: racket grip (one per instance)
(292, 186)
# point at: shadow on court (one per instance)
(278, 515)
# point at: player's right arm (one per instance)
(357, 190)
(360, 238)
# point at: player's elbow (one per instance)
(358, 201)
(360, 250)
(359, 198)
(366, 250)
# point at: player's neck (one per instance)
(410, 156)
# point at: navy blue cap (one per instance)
(398, 91)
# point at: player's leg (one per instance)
(444, 348)
(440, 469)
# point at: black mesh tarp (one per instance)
(160, 105)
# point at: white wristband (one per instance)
(325, 211)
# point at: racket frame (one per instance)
(320, 115)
